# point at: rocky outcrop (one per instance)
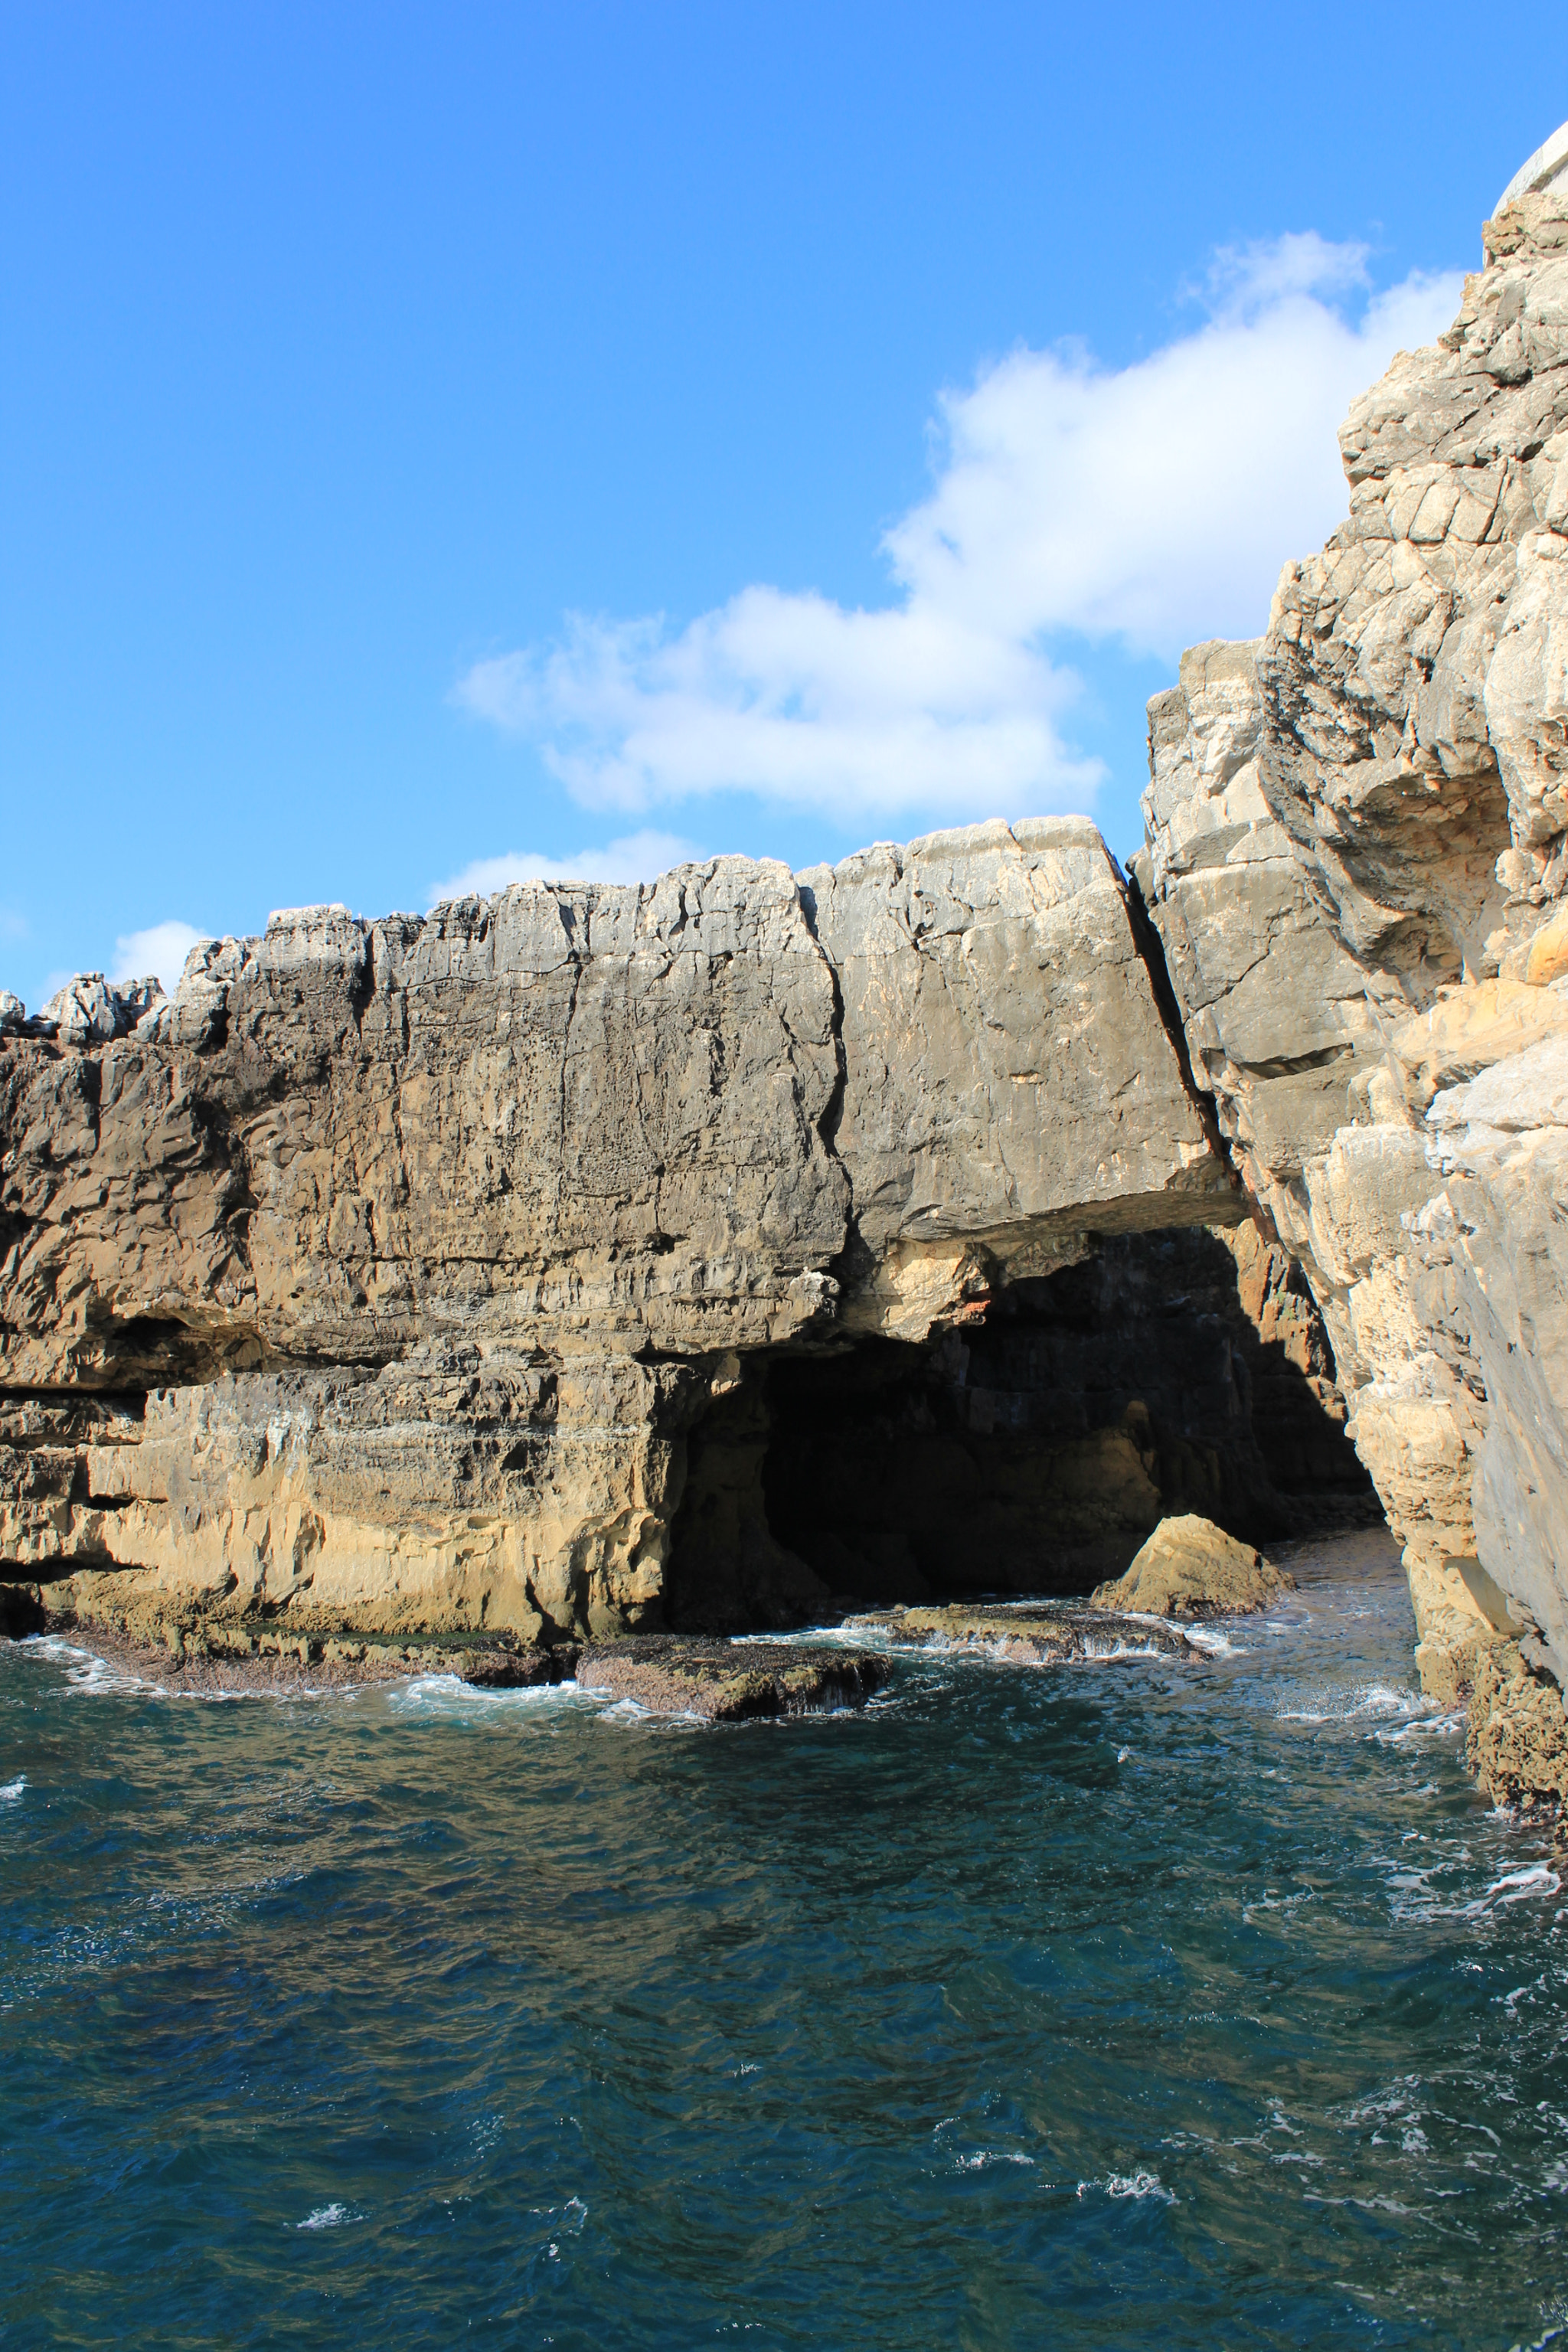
(378, 1276)
(1516, 1741)
(1190, 1568)
(1021, 1635)
(1358, 854)
(729, 1682)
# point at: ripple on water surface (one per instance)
(1137, 2002)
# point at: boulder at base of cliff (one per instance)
(1190, 1568)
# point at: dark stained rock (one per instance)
(725, 1681)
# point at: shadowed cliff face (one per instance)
(402, 1256)
(1029, 1449)
(1358, 856)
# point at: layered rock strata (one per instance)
(548, 1266)
(376, 1278)
(1358, 856)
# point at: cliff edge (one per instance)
(1357, 860)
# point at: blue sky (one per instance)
(442, 442)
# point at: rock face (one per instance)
(378, 1276)
(1358, 832)
(1190, 1568)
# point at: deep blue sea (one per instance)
(1128, 2004)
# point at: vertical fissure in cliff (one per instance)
(1151, 954)
(852, 1259)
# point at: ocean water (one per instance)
(1126, 2004)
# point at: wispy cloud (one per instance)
(157, 953)
(634, 857)
(1152, 504)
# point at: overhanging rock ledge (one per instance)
(376, 1277)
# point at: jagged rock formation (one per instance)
(1358, 855)
(378, 1277)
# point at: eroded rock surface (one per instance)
(376, 1278)
(1358, 835)
(730, 1682)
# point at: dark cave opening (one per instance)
(1031, 1451)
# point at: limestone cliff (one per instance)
(1358, 856)
(377, 1276)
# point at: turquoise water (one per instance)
(1124, 2005)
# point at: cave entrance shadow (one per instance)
(1029, 1450)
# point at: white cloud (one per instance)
(1152, 504)
(158, 952)
(634, 857)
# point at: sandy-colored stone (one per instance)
(401, 1256)
(1190, 1568)
(1516, 1739)
(1358, 858)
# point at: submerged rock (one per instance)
(1190, 1568)
(1038, 1636)
(726, 1683)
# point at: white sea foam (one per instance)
(1421, 1726)
(86, 1671)
(1130, 2184)
(327, 2216)
(826, 1637)
(1104, 1652)
(1217, 1644)
(13, 1790)
(985, 2157)
(1521, 1886)
(1330, 1705)
(1269, 1901)
(449, 1694)
(1413, 1897)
